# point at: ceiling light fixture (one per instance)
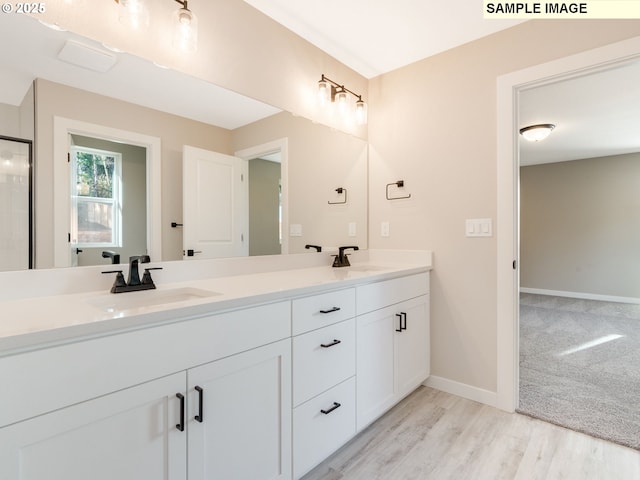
(330, 91)
(535, 133)
(185, 35)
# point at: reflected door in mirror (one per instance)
(215, 204)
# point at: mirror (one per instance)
(136, 97)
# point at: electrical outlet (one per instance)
(384, 229)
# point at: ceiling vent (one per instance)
(87, 57)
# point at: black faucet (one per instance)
(341, 259)
(115, 257)
(317, 247)
(134, 283)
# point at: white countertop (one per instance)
(44, 320)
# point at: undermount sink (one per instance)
(122, 302)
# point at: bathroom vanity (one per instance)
(244, 376)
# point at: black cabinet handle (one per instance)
(399, 315)
(404, 317)
(180, 426)
(200, 416)
(334, 309)
(327, 345)
(327, 412)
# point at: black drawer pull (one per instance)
(327, 345)
(180, 426)
(399, 315)
(334, 309)
(200, 416)
(404, 317)
(327, 412)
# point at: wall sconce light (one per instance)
(133, 14)
(535, 133)
(330, 91)
(185, 34)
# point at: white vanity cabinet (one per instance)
(129, 435)
(124, 406)
(393, 348)
(323, 376)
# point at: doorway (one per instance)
(508, 87)
(108, 201)
(268, 197)
(63, 130)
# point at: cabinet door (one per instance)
(374, 365)
(243, 404)
(128, 435)
(412, 345)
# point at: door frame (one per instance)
(508, 87)
(280, 145)
(62, 128)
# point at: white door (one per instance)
(243, 409)
(215, 204)
(128, 435)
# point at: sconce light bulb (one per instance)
(133, 14)
(185, 35)
(324, 92)
(342, 100)
(361, 112)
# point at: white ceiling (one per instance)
(377, 36)
(595, 115)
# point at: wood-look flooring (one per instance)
(435, 435)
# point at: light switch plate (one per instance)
(352, 229)
(384, 229)
(479, 227)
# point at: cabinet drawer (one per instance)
(316, 434)
(310, 313)
(319, 362)
(381, 294)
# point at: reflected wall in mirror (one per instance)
(138, 97)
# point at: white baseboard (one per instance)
(463, 390)
(585, 296)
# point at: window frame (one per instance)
(115, 200)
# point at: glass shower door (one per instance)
(15, 204)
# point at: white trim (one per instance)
(280, 145)
(62, 127)
(462, 390)
(584, 296)
(508, 87)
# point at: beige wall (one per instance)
(320, 160)
(58, 100)
(580, 226)
(433, 124)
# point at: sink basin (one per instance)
(121, 302)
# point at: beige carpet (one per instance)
(580, 365)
